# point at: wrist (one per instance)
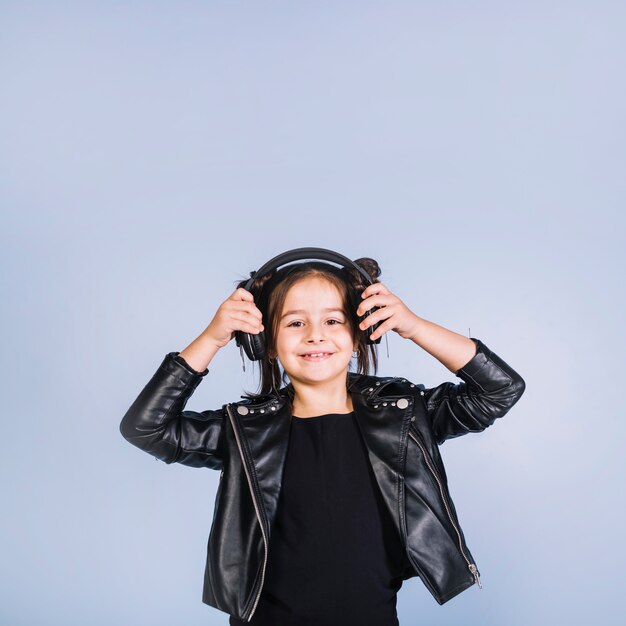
(417, 331)
(208, 342)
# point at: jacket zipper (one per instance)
(418, 569)
(471, 566)
(256, 508)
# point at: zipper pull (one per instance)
(476, 575)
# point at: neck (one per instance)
(310, 401)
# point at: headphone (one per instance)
(254, 344)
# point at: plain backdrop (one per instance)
(154, 153)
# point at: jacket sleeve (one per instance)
(157, 423)
(489, 389)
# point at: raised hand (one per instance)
(393, 313)
(237, 312)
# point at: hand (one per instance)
(396, 315)
(237, 312)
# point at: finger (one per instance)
(252, 308)
(253, 315)
(376, 316)
(242, 294)
(248, 307)
(248, 326)
(375, 300)
(375, 288)
(382, 329)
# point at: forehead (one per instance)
(314, 292)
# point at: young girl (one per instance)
(332, 490)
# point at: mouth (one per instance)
(316, 356)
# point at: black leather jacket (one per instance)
(402, 424)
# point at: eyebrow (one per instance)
(302, 311)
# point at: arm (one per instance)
(157, 423)
(489, 389)
(449, 348)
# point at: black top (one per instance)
(334, 557)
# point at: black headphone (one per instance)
(254, 344)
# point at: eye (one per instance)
(298, 322)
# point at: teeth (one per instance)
(317, 354)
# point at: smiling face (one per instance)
(313, 322)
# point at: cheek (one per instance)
(347, 332)
(283, 341)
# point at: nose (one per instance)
(316, 332)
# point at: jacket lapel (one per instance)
(265, 429)
(385, 432)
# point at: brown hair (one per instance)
(270, 291)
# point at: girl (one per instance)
(332, 490)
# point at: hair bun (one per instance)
(370, 266)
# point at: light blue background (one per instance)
(153, 153)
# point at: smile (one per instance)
(316, 356)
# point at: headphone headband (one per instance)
(298, 254)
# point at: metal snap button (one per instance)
(403, 403)
(242, 410)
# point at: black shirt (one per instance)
(334, 557)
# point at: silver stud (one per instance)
(273, 408)
(378, 383)
(412, 385)
(262, 410)
(371, 389)
(422, 392)
(375, 406)
(403, 403)
(384, 404)
(242, 410)
(393, 404)
(413, 418)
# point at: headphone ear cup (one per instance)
(257, 343)
(370, 329)
(253, 345)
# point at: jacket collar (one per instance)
(367, 387)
